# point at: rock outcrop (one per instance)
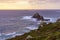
(37, 16)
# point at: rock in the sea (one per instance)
(37, 16)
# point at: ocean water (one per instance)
(18, 22)
(10, 27)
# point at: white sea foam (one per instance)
(26, 29)
(19, 34)
(32, 27)
(6, 36)
(29, 18)
(11, 33)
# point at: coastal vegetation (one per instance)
(45, 31)
(50, 31)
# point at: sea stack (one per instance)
(37, 16)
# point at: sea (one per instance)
(18, 22)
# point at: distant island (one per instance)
(50, 31)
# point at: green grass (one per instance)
(49, 31)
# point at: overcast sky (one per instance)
(29, 4)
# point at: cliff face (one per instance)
(37, 16)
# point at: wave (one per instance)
(32, 27)
(26, 29)
(28, 18)
(10, 35)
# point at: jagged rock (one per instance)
(37, 16)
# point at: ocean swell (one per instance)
(31, 24)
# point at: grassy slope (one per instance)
(49, 31)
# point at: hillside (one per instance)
(50, 31)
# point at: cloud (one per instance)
(44, 1)
(53, 0)
(31, 1)
(8, 1)
(37, 1)
(29, 4)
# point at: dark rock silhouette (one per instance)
(37, 16)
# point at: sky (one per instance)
(29, 4)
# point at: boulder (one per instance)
(37, 16)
